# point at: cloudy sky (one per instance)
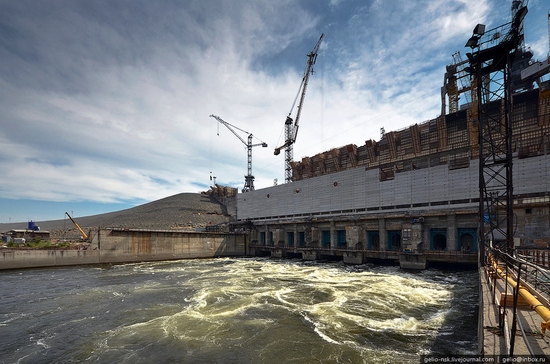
(105, 104)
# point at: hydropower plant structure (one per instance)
(418, 194)
(468, 188)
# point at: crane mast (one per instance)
(249, 178)
(291, 125)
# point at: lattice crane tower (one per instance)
(291, 126)
(249, 178)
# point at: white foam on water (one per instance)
(249, 303)
(42, 342)
(318, 331)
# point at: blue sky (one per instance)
(106, 104)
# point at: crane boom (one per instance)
(249, 178)
(84, 235)
(291, 126)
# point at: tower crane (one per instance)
(291, 126)
(249, 178)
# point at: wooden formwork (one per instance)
(450, 139)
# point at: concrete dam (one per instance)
(418, 197)
(414, 194)
(412, 197)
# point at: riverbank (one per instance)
(182, 212)
(126, 245)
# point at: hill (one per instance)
(184, 211)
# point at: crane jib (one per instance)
(249, 178)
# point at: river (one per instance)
(235, 310)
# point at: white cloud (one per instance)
(106, 103)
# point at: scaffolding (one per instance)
(491, 61)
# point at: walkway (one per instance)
(496, 320)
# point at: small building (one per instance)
(29, 234)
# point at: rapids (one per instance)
(235, 310)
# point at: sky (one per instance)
(106, 104)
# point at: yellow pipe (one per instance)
(533, 302)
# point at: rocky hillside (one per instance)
(184, 211)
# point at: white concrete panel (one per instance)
(360, 189)
(403, 195)
(438, 183)
(420, 185)
(372, 189)
(387, 193)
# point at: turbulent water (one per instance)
(235, 311)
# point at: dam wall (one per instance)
(358, 191)
(413, 196)
(352, 212)
(125, 246)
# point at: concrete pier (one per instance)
(310, 255)
(406, 260)
(412, 261)
(352, 257)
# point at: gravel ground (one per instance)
(184, 211)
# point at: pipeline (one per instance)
(534, 303)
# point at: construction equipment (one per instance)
(84, 235)
(455, 72)
(249, 178)
(536, 70)
(291, 126)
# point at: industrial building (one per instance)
(423, 179)
(32, 232)
(415, 194)
(26, 234)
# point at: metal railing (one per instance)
(523, 278)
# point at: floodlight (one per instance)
(472, 42)
(479, 29)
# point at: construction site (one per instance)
(468, 188)
(418, 194)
